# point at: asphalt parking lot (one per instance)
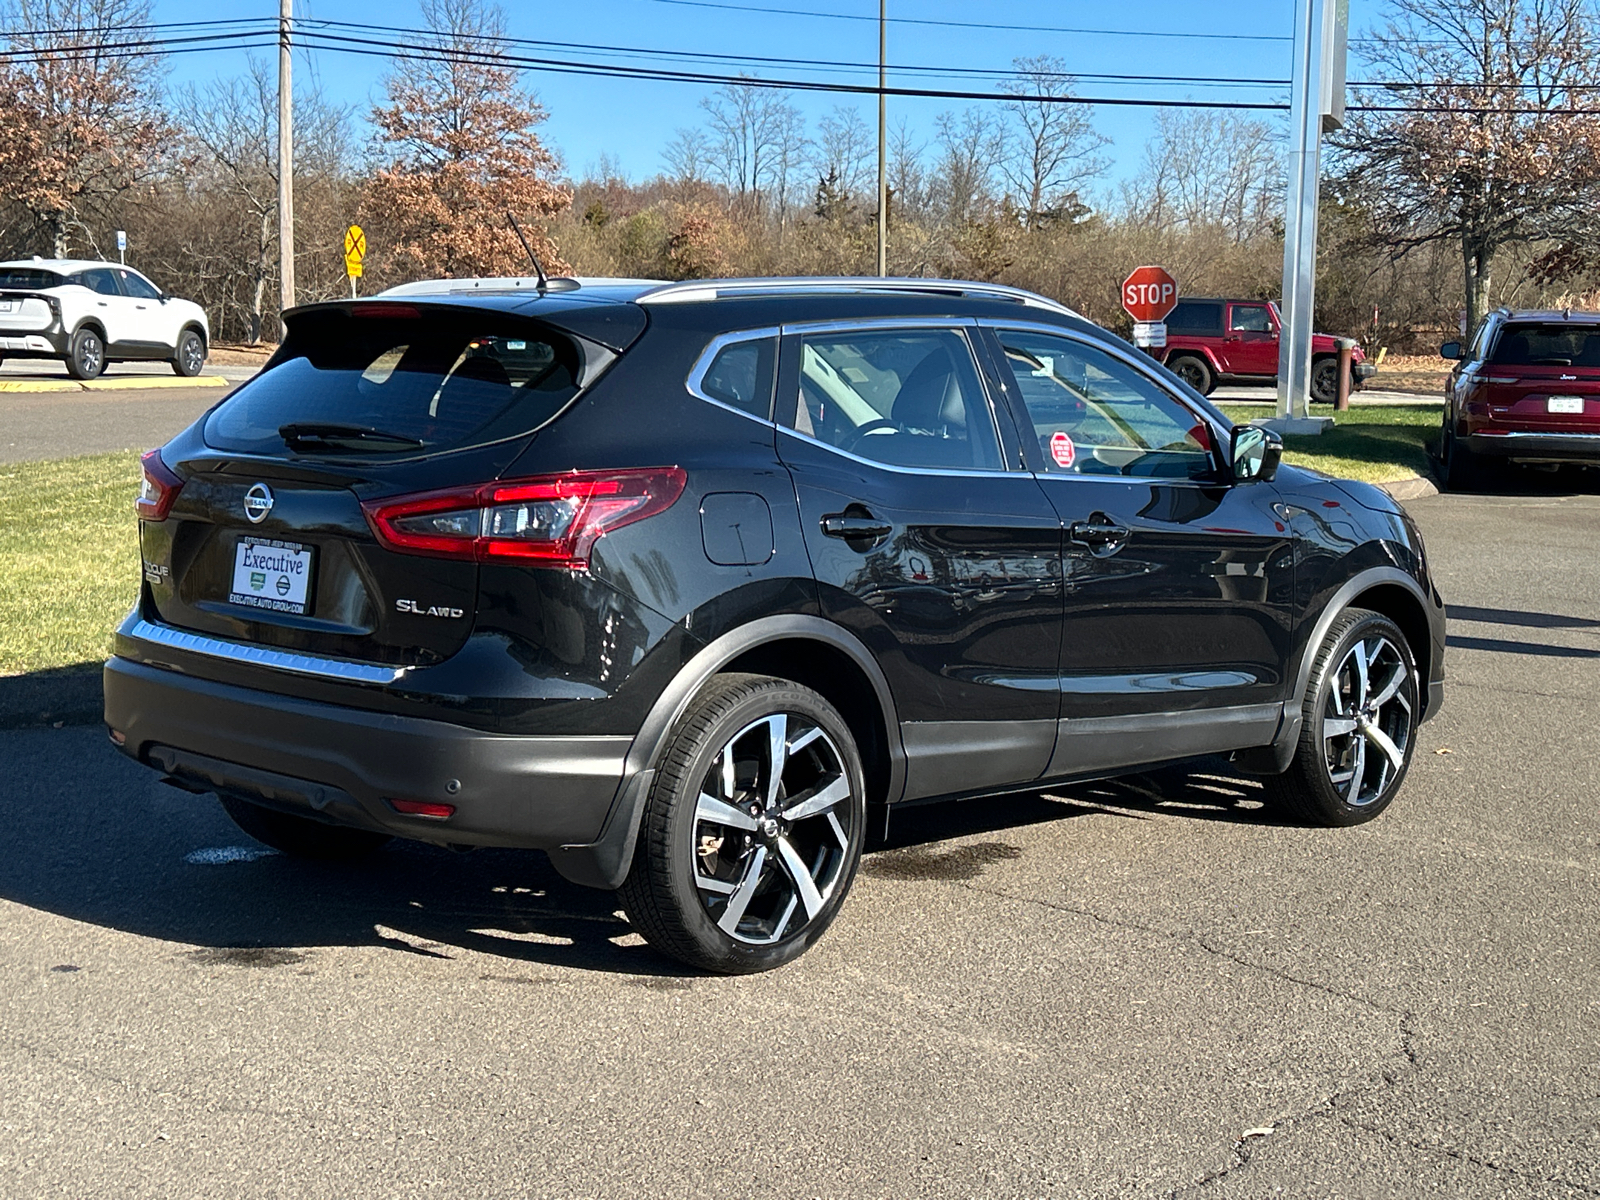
(1148, 987)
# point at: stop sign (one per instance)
(1149, 294)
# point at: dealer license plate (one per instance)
(1564, 404)
(273, 575)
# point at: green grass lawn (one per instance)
(1378, 443)
(69, 555)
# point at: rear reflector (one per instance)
(423, 808)
(158, 488)
(547, 521)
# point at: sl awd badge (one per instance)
(258, 503)
(435, 610)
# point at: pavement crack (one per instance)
(1487, 1164)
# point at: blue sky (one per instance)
(633, 119)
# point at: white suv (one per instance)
(92, 313)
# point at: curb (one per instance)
(70, 697)
(1414, 488)
(118, 383)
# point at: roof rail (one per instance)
(506, 283)
(693, 290)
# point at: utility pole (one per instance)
(1316, 106)
(883, 139)
(285, 160)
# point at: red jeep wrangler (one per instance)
(1212, 341)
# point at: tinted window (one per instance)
(1250, 318)
(446, 383)
(138, 286)
(740, 376)
(101, 280)
(27, 277)
(1093, 414)
(909, 398)
(1548, 346)
(1197, 318)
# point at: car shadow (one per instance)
(95, 838)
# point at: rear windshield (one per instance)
(1548, 346)
(445, 382)
(28, 277)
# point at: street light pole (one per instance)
(285, 159)
(883, 139)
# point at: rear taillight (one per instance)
(548, 521)
(158, 488)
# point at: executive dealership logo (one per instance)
(258, 503)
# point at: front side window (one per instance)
(138, 286)
(1093, 414)
(1251, 318)
(413, 385)
(903, 397)
(740, 376)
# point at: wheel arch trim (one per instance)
(604, 863)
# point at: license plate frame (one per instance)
(1570, 405)
(273, 575)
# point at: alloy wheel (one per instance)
(772, 829)
(89, 355)
(1368, 720)
(194, 355)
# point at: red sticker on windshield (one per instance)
(1062, 449)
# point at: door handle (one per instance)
(1100, 534)
(858, 526)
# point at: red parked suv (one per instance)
(1526, 389)
(1212, 341)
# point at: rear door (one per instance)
(109, 306)
(945, 563)
(1178, 587)
(268, 542)
(1250, 346)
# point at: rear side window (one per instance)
(1196, 318)
(445, 383)
(1547, 346)
(740, 376)
(101, 280)
(27, 277)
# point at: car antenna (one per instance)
(544, 282)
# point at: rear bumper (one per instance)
(28, 345)
(1538, 447)
(343, 765)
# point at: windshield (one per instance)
(429, 383)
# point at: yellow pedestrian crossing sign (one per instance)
(355, 249)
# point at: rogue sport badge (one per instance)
(258, 503)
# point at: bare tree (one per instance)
(460, 149)
(1208, 169)
(908, 176)
(79, 124)
(758, 137)
(970, 149)
(1501, 147)
(687, 156)
(844, 151)
(1052, 150)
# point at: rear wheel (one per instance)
(302, 837)
(190, 358)
(1463, 470)
(86, 355)
(1193, 371)
(1358, 727)
(753, 828)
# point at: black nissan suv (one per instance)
(690, 584)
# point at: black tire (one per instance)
(1335, 697)
(86, 354)
(301, 837)
(190, 357)
(1194, 371)
(725, 897)
(1462, 469)
(1325, 380)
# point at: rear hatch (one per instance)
(22, 312)
(267, 541)
(1545, 377)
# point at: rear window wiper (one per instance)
(332, 433)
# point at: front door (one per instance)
(943, 562)
(1250, 347)
(1177, 585)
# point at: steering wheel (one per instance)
(854, 438)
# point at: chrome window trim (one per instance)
(1219, 436)
(1549, 435)
(261, 656)
(963, 326)
(714, 347)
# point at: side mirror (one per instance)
(1450, 350)
(1254, 453)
